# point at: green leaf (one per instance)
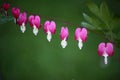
(105, 13)
(103, 21)
(92, 28)
(94, 21)
(115, 23)
(87, 18)
(89, 26)
(94, 9)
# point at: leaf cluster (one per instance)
(103, 21)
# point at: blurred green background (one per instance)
(29, 57)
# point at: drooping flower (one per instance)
(22, 20)
(64, 36)
(6, 6)
(105, 50)
(16, 13)
(35, 23)
(80, 36)
(49, 28)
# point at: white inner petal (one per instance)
(35, 30)
(5, 12)
(80, 44)
(64, 43)
(22, 27)
(49, 36)
(105, 57)
(15, 20)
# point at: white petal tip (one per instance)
(23, 28)
(105, 58)
(80, 44)
(49, 36)
(63, 43)
(35, 31)
(14, 20)
(105, 62)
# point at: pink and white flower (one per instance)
(22, 20)
(105, 49)
(35, 23)
(64, 36)
(80, 36)
(6, 6)
(16, 13)
(49, 28)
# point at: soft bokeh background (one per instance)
(29, 57)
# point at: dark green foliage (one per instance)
(103, 21)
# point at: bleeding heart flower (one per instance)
(6, 6)
(16, 13)
(80, 36)
(105, 50)
(22, 20)
(35, 23)
(64, 36)
(49, 28)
